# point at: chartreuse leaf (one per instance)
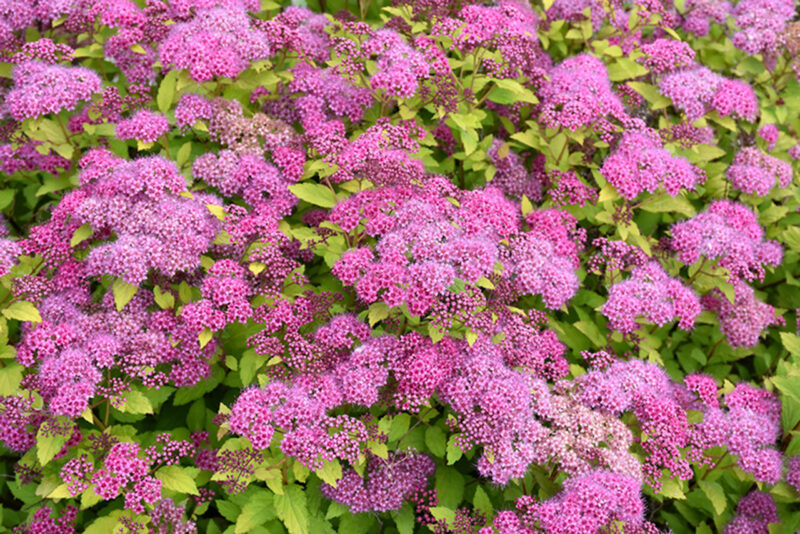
(166, 91)
(177, 478)
(81, 234)
(123, 292)
(258, 510)
(314, 193)
(791, 342)
(330, 472)
(136, 403)
(48, 443)
(292, 509)
(454, 453)
(10, 378)
(164, 299)
(23, 311)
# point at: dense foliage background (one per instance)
(412, 266)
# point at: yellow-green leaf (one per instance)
(23, 311)
(204, 337)
(314, 193)
(166, 91)
(176, 478)
(330, 472)
(81, 234)
(123, 292)
(292, 509)
(136, 403)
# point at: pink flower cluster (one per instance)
(762, 25)
(387, 483)
(742, 320)
(218, 42)
(146, 126)
(697, 90)
(579, 94)
(667, 55)
(754, 513)
(40, 89)
(650, 293)
(640, 163)
(749, 427)
(754, 172)
(729, 233)
(138, 202)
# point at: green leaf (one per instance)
(102, 525)
(449, 487)
(123, 292)
(378, 311)
(664, 203)
(47, 446)
(454, 453)
(404, 519)
(791, 342)
(436, 441)
(176, 478)
(81, 234)
(136, 403)
(482, 503)
(249, 365)
(330, 472)
(292, 509)
(443, 513)
(715, 494)
(217, 210)
(10, 378)
(164, 299)
(166, 91)
(204, 337)
(23, 311)
(650, 93)
(624, 69)
(258, 510)
(314, 193)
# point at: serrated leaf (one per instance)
(313, 193)
(715, 494)
(453, 452)
(292, 509)
(166, 91)
(176, 478)
(791, 342)
(624, 69)
(136, 403)
(123, 292)
(47, 446)
(102, 525)
(378, 311)
(258, 510)
(330, 472)
(436, 441)
(81, 234)
(664, 203)
(23, 311)
(404, 519)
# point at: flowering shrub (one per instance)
(399, 266)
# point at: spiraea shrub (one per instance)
(399, 266)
